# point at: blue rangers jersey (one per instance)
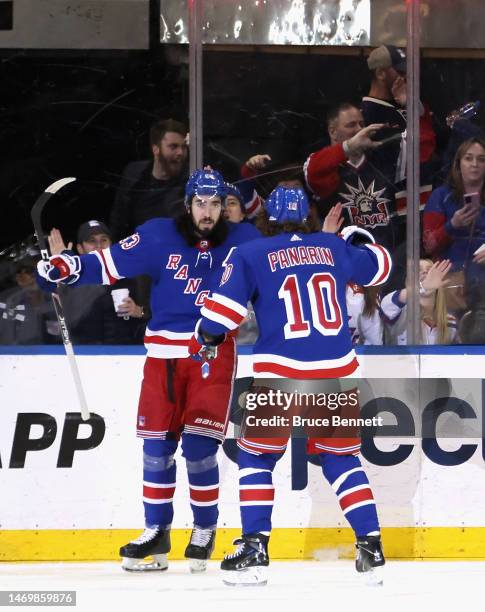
(181, 277)
(297, 284)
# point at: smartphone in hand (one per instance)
(472, 200)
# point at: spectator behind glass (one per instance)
(365, 322)
(89, 309)
(234, 209)
(154, 188)
(386, 103)
(462, 127)
(26, 313)
(471, 329)
(452, 228)
(347, 172)
(438, 326)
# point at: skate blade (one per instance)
(252, 576)
(197, 566)
(159, 564)
(374, 577)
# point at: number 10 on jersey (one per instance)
(326, 315)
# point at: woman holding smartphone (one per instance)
(454, 216)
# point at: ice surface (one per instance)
(331, 585)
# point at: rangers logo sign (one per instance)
(367, 206)
(130, 242)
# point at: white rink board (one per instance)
(102, 489)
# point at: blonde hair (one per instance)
(440, 313)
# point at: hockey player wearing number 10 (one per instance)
(296, 280)
(176, 401)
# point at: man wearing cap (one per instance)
(90, 310)
(386, 103)
(92, 235)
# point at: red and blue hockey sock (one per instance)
(256, 490)
(349, 482)
(159, 473)
(200, 453)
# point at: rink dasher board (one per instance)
(87, 510)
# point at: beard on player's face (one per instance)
(216, 232)
(206, 225)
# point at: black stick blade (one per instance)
(38, 207)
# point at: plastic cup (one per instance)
(118, 296)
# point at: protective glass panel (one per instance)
(453, 223)
(82, 87)
(292, 115)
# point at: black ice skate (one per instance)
(154, 542)
(200, 548)
(370, 559)
(247, 565)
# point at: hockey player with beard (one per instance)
(176, 400)
(296, 280)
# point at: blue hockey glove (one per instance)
(204, 349)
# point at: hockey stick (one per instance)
(36, 214)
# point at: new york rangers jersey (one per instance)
(297, 284)
(181, 277)
(369, 197)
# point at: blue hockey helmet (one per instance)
(285, 205)
(205, 183)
